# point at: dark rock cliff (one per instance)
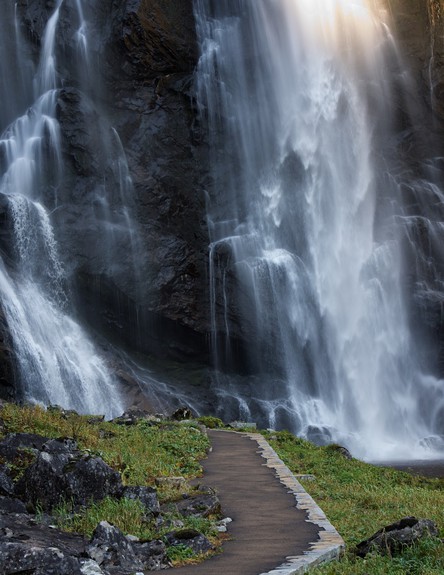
(150, 292)
(129, 208)
(418, 28)
(418, 25)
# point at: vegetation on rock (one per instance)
(143, 452)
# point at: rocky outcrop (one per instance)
(146, 495)
(48, 472)
(61, 472)
(392, 539)
(418, 107)
(8, 390)
(29, 546)
(111, 549)
(418, 29)
(153, 111)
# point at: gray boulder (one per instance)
(190, 538)
(153, 555)
(91, 479)
(200, 506)
(146, 495)
(44, 482)
(64, 445)
(109, 547)
(18, 557)
(115, 553)
(55, 477)
(391, 539)
(11, 505)
(13, 443)
(182, 414)
(6, 484)
(133, 415)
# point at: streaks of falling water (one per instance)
(305, 255)
(57, 362)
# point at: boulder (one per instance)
(109, 547)
(391, 539)
(14, 442)
(17, 557)
(44, 482)
(153, 555)
(182, 413)
(146, 495)
(27, 546)
(199, 506)
(135, 414)
(91, 479)
(112, 550)
(190, 538)
(64, 445)
(11, 505)
(57, 477)
(6, 484)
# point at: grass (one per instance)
(128, 516)
(359, 499)
(141, 453)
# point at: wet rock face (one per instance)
(154, 113)
(418, 28)
(133, 100)
(7, 379)
(159, 37)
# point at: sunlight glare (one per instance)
(339, 24)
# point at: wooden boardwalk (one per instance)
(277, 528)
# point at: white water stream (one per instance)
(57, 361)
(296, 95)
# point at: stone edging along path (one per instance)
(330, 544)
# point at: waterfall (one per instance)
(307, 226)
(57, 362)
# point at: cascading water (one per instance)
(56, 360)
(306, 225)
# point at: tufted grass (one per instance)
(359, 498)
(128, 516)
(139, 452)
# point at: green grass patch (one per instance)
(139, 452)
(179, 554)
(359, 498)
(211, 422)
(128, 515)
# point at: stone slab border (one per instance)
(330, 545)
